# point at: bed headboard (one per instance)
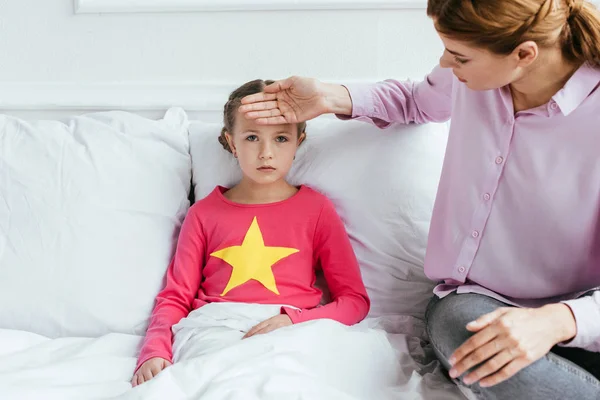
(58, 100)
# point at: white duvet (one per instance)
(313, 360)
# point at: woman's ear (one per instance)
(526, 53)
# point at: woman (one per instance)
(515, 233)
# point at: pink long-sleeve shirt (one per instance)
(517, 214)
(263, 254)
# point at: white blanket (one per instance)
(313, 360)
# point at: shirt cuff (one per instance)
(294, 314)
(145, 357)
(363, 102)
(587, 319)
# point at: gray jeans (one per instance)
(563, 374)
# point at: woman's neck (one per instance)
(546, 76)
(250, 192)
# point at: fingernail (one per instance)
(453, 373)
(468, 381)
(452, 360)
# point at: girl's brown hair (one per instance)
(234, 102)
(501, 25)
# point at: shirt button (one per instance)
(499, 160)
(487, 196)
(475, 234)
(462, 270)
(553, 105)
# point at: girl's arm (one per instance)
(392, 101)
(174, 302)
(350, 302)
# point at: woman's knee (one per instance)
(548, 378)
(551, 377)
(447, 319)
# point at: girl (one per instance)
(259, 242)
(514, 240)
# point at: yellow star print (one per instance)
(252, 260)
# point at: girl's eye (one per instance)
(252, 138)
(281, 139)
(460, 60)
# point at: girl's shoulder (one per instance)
(208, 201)
(318, 198)
(311, 194)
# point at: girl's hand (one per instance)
(510, 339)
(294, 100)
(276, 322)
(148, 370)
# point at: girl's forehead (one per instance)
(244, 125)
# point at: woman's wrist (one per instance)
(564, 321)
(337, 99)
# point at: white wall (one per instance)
(45, 48)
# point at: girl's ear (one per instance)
(229, 138)
(301, 138)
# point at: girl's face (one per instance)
(265, 152)
(481, 69)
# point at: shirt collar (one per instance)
(577, 88)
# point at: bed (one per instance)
(90, 208)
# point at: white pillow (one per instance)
(383, 184)
(89, 213)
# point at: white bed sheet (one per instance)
(36, 367)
